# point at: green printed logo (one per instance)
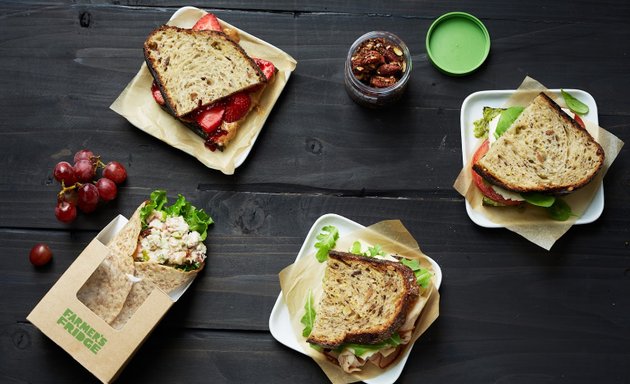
(82, 331)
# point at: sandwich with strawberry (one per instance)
(205, 79)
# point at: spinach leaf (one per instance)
(508, 116)
(560, 210)
(539, 199)
(574, 104)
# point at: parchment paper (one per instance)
(137, 105)
(306, 275)
(531, 222)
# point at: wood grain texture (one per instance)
(510, 311)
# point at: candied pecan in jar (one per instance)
(377, 69)
(378, 63)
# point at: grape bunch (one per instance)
(78, 188)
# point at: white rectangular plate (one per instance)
(472, 109)
(280, 322)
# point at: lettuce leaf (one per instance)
(356, 248)
(327, 239)
(197, 219)
(156, 202)
(376, 250)
(423, 275)
(361, 349)
(309, 315)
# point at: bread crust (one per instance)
(411, 294)
(561, 189)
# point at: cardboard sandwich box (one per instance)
(102, 347)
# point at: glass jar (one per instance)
(369, 95)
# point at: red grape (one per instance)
(65, 211)
(88, 197)
(64, 172)
(84, 171)
(106, 189)
(115, 171)
(40, 255)
(84, 154)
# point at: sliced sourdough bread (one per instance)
(197, 68)
(544, 150)
(365, 300)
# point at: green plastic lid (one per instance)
(457, 43)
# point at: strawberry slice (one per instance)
(157, 95)
(207, 23)
(210, 119)
(266, 67)
(237, 107)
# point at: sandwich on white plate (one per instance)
(205, 79)
(368, 310)
(534, 155)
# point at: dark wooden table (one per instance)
(511, 312)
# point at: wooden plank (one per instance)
(256, 238)
(455, 350)
(110, 48)
(538, 10)
(169, 355)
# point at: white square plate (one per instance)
(472, 109)
(280, 322)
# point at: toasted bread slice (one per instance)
(365, 300)
(544, 151)
(198, 68)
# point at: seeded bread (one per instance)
(365, 300)
(198, 68)
(544, 150)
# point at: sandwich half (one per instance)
(365, 312)
(543, 151)
(204, 78)
(194, 69)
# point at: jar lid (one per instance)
(457, 43)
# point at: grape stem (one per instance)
(98, 163)
(65, 189)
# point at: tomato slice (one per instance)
(579, 120)
(483, 185)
